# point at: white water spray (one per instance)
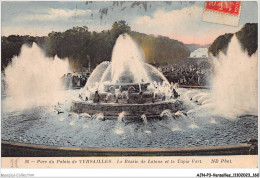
(85, 115)
(72, 123)
(98, 116)
(62, 119)
(166, 112)
(143, 116)
(73, 114)
(119, 129)
(193, 126)
(128, 61)
(171, 125)
(127, 66)
(181, 114)
(234, 89)
(34, 79)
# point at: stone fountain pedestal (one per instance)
(131, 110)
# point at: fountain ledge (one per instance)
(131, 110)
(10, 149)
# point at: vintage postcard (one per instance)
(129, 84)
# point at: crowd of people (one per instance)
(188, 73)
(75, 80)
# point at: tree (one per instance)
(161, 50)
(247, 36)
(82, 47)
(119, 28)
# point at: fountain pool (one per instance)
(192, 127)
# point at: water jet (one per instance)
(127, 84)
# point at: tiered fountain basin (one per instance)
(127, 85)
(132, 99)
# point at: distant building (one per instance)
(200, 53)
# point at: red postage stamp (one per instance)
(223, 12)
(229, 7)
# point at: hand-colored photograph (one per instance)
(129, 78)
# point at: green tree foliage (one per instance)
(11, 46)
(84, 48)
(119, 28)
(247, 36)
(220, 44)
(161, 50)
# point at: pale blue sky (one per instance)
(177, 20)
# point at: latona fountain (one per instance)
(127, 84)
